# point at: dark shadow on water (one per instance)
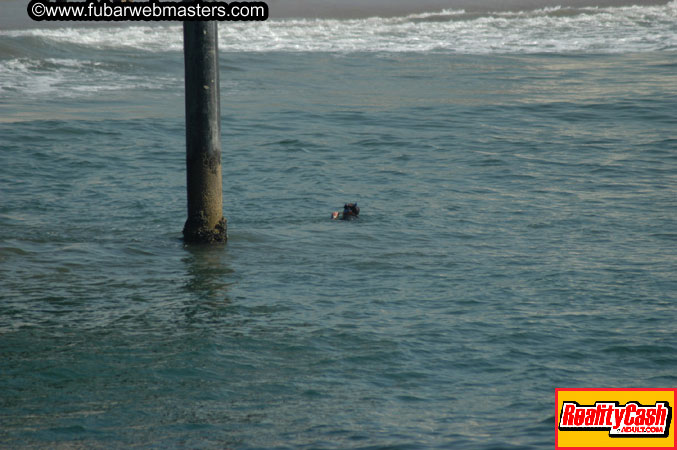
(209, 274)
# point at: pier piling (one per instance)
(205, 223)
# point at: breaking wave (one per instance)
(554, 29)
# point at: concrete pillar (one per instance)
(205, 223)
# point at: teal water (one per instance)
(518, 234)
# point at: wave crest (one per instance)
(552, 29)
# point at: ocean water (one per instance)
(517, 175)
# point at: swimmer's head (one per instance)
(350, 211)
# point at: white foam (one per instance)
(552, 29)
(627, 29)
(24, 76)
(150, 38)
(429, 15)
(63, 78)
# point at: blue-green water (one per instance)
(518, 233)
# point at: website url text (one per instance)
(151, 10)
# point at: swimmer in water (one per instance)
(350, 211)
